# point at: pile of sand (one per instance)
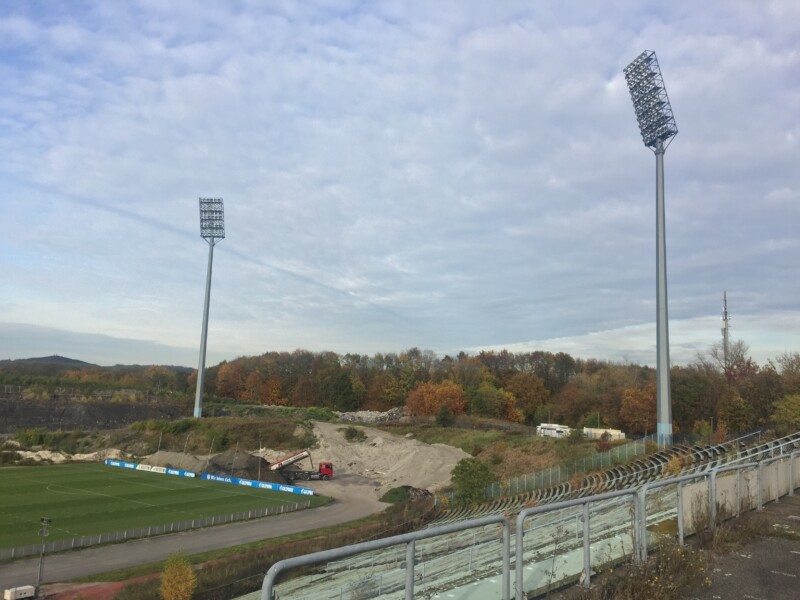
(386, 459)
(109, 453)
(45, 456)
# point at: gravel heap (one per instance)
(393, 415)
(241, 464)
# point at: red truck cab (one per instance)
(326, 470)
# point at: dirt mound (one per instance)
(44, 456)
(176, 460)
(387, 460)
(241, 464)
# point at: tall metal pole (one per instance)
(212, 229)
(725, 347)
(663, 396)
(201, 368)
(44, 532)
(657, 126)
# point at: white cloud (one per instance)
(401, 174)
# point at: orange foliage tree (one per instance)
(230, 380)
(428, 398)
(638, 409)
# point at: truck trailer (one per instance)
(324, 469)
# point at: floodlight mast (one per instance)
(212, 229)
(657, 126)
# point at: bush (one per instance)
(470, 478)
(316, 413)
(178, 579)
(445, 417)
(395, 495)
(354, 434)
(9, 457)
(31, 437)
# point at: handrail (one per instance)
(584, 502)
(405, 538)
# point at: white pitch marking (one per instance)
(784, 574)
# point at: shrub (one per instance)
(9, 457)
(316, 413)
(31, 437)
(445, 417)
(178, 579)
(395, 495)
(470, 478)
(354, 434)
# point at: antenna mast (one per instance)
(725, 319)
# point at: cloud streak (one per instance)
(445, 176)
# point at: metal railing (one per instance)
(555, 475)
(151, 531)
(409, 539)
(620, 533)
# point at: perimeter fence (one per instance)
(151, 531)
(555, 475)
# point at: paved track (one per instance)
(355, 498)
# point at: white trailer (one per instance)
(552, 430)
(594, 433)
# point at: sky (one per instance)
(450, 175)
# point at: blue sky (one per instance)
(447, 175)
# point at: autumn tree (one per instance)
(429, 398)
(178, 579)
(695, 392)
(735, 413)
(230, 380)
(470, 478)
(489, 401)
(786, 416)
(529, 394)
(638, 409)
(253, 388)
(271, 392)
(789, 365)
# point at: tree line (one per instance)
(728, 392)
(724, 391)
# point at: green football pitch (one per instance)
(86, 499)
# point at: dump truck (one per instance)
(324, 469)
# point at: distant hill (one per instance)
(55, 360)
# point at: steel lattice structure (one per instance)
(650, 100)
(212, 219)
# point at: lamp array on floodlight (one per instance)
(650, 100)
(212, 219)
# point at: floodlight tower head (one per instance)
(650, 101)
(212, 220)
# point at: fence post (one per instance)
(680, 513)
(410, 570)
(587, 555)
(712, 500)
